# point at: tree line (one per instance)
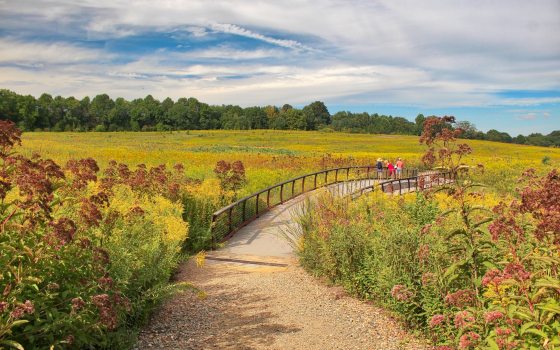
(102, 113)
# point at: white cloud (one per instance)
(528, 116)
(237, 30)
(229, 53)
(434, 53)
(38, 54)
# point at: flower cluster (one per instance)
(493, 316)
(461, 298)
(107, 313)
(436, 320)
(401, 293)
(541, 198)
(463, 319)
(83, 171)
(231, 175)
(469, 340)
(10, 136)
(64, 230)
(22, 309)
(154, 180)
(440, 136)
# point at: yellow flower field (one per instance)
(270, 156)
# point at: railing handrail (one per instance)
(248, 211)
(382, 184)
(227, 207)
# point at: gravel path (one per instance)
(246, 306)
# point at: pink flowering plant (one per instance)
(501, 287)
(63, 280)
(469, 275)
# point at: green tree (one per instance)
(256, 117)
(164, 107)
(99, 110)
(119, 117)
(9, 106)
(316, 115)
(84, 115)
(73, 113)
(495, 135)
(469, 129)
(45, 111)
(209, 117)
(29, 112)
(419, 121)
(295, 119)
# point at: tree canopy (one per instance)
(48, 113)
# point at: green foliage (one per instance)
(84, 259)
(468, 276)
(198, 213)
(369, 246)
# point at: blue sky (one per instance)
(494, 63)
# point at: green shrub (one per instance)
(198, 213)
(467, 276)
(100, 128)
(83, 257)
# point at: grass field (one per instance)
(271, 155)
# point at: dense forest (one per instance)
(148, 114)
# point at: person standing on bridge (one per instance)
(379, 166)
(400, 166)
(390, 168)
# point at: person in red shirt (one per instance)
(391, 168)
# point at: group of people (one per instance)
(394, 170)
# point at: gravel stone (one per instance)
(248, 307)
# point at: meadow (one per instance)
(123, 227)
(271, 156)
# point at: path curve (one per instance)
(253, 295)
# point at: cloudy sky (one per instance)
(495, 63)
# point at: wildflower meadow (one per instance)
(94, 225)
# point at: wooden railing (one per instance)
(228, 220)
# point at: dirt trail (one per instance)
(270, 304)
(248, 306)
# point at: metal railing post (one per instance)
(212, 233)
(268, 199)
(293, 187)
(243, 215)
(230, 224)
(336, 176)
(281, 193)
(315, 182)
(303, 185)
(257, 206)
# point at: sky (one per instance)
(494, 63)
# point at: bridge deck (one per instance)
(267, 238)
